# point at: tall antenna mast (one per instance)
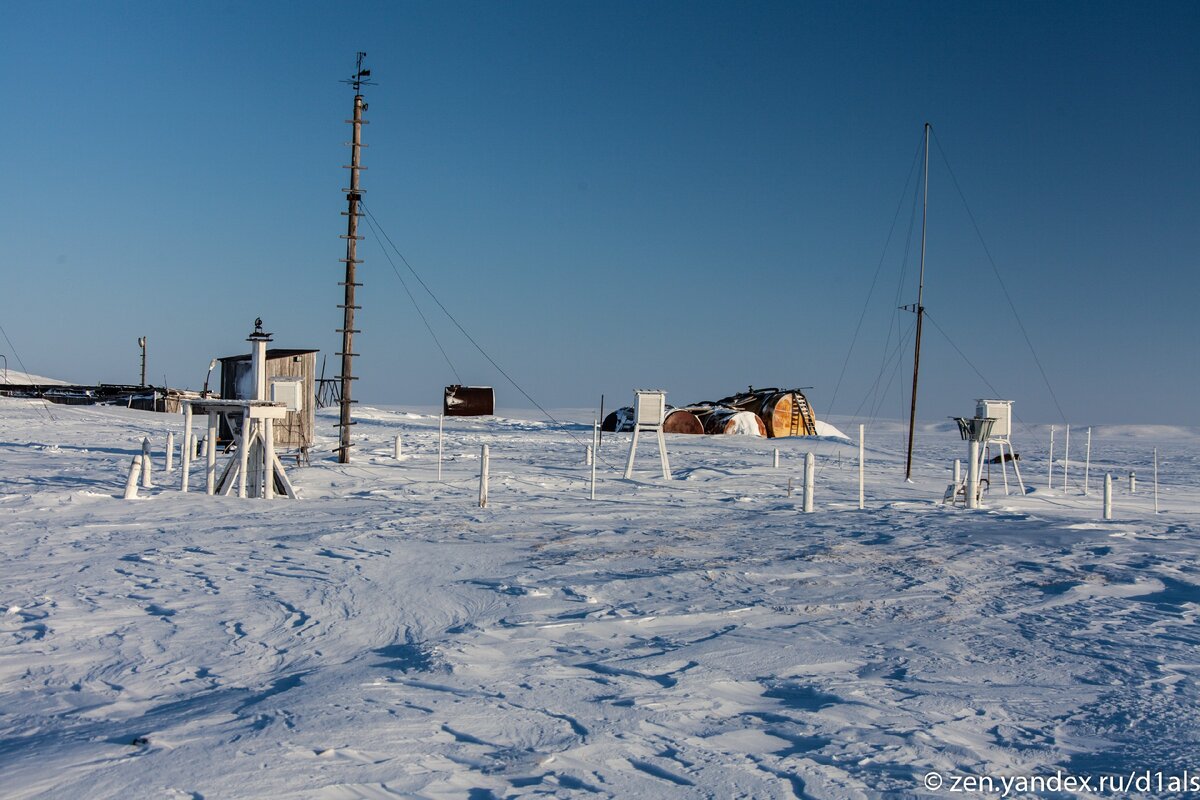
(353, 194)
(920, 309)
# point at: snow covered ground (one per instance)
(385, 637)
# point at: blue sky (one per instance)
(612, 195)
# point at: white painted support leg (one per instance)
(284, 481)
(268, 468)
(244, 456)
(632, 452)
(147, 467)
(810, 480)
(1004, 466)
(131, 482)
(210, 455)
(662, 455)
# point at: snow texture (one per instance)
(383, 636)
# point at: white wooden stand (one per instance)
(649, 411)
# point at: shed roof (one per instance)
(272, 353)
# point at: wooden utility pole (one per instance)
(920, 309)
(351, 236)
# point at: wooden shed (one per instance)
(286, 367)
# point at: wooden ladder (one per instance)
(802, 411)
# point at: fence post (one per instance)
(862, 486)
(810, 475)
(170, 450)
(1087, 463)
(441, 419)
(483, 477)
(1066, 458)
(146, 467)
(131, 482)
(1156, 480)
(1108, 495)
(595, 455)
(1050, 474)
(398, 454)
(1132, 482)
(775, 459)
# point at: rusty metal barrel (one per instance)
(681, 420)
(787, 414)
(734, 422)
(469, 401)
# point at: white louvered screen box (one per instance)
(651, 407)
(1001, 411)
(289, 391)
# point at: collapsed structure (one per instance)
(770, 412)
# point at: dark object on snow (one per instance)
(681, 420)
(619, 421)
(469, 401)
(140, 741)
(1006, 457)
(784, 412)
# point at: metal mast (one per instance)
(920, 309)
(353, 194)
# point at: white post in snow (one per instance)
(973, 473)
(1066, 458)
(789, 489)
(862, 497)
(441, 419)
(1050, 474)
(185, 454)
(195, 443)
(131, 482)
(1108, 495)
(1156, 480)
(587, 457)
(398, 454)
(810, 475)
(146, 467)
(1132, 482)
(483, 477)
(202, 448)
(775, 459)
(1087, 464)
(170, 451)
(596, 454)
(957, 473)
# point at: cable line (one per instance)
(25, 369)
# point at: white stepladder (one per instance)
(255, 469)
(1001, 411)
(650, 408)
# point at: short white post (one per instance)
(1132, 482)
(810, 474)
(146, 466)
(789, 489)
(957, 473)
(595, 455)
(1066, 458)
(195, 446)
(170, 451)
(1087, 463)
(210, 455)
(185, 454)
(588, 456)
(398, 454)
(775, 459)
(1156, 480)
(441, 419)
(202, 448)
(1050, 474)
(973, 473)
(862, 497)
(483, 477)
(131, 482)
(1108, 495)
